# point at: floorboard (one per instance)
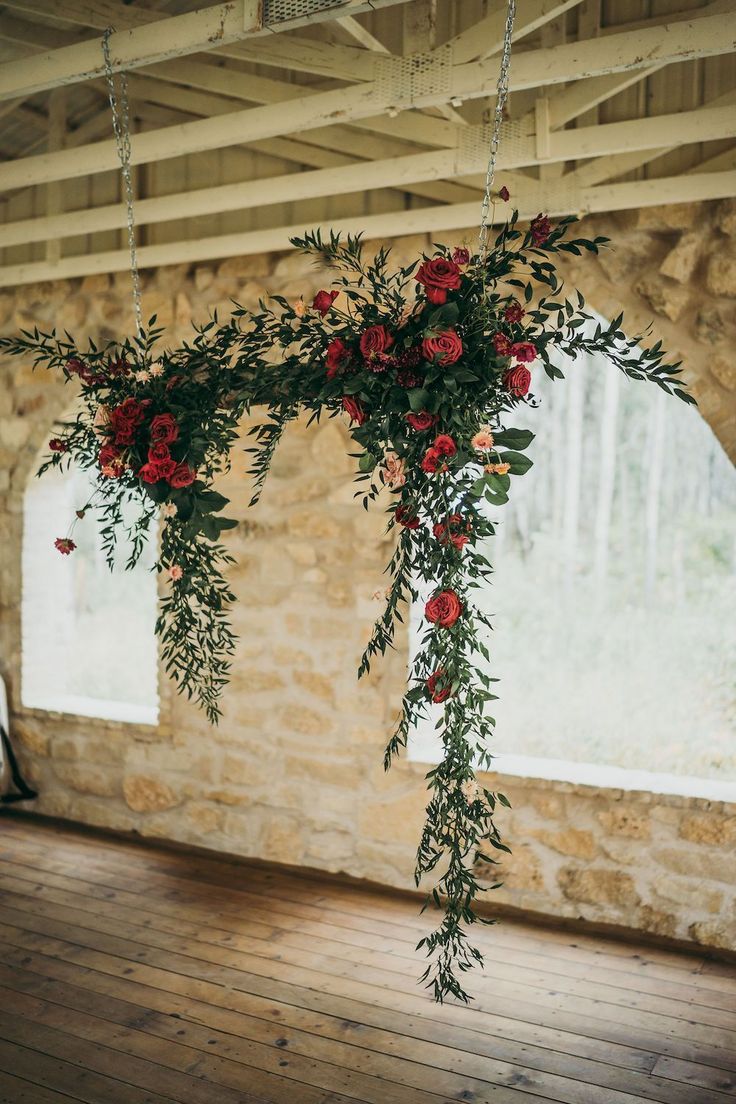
(148, 976)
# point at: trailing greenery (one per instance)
(430, 363)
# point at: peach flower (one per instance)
(101, 422)
(497, 469)
(143, 376)
(174, 572)
(393, 471)
(169, 509)
(482, 441)
(157, 369)
(299, 308)
(470, 790)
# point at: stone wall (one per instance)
(293, 773)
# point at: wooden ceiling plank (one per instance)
(693, 187)
(703, 37)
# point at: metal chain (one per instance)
(121, 130)
(502, 91)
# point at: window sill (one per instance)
(71, 705)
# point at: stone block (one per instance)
(575, 842)
(695, 894)
(681, 262)
(146, 795)
(89, 780)
(626, 821)
(720, 279)
(657, 921)
(714, 933)
(283, 839)
(712, 828)
(598, 886)
(665, 297)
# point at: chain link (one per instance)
(121, 129)
(502, 91)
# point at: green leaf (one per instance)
(517, 461)
(514, 438)
(418, 399)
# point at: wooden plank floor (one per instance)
(139, 975)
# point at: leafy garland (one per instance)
(427, 362)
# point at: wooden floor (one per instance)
(133, 975)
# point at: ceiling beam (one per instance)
(611, 197)
(393, 172)
(699, 37)
(485, 37)
(174, 36)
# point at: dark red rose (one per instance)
(337, 357)
(445, 445)
(164, 429)
(64, 545)
(156, 470)
(504, 193)
(461, 256)
(107, 455)
(354, 409)
(182, 476)
(323, 300)
(432, 461)
(117, 367)
(406, 516)
(421, 421)
(443, 609)
(446, 347)
(56, 444)
(518, 380)
(454, 531)
(524, 351)
(514, 312)
(125, 419)
(540, 229)
(502, 344)
(438, 276)
(376, 339)
(438, 688)
(159, 453)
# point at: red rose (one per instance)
(445, 445)
(504, 194)
(107, 455)
(323, 300)
(354, 409)
(443, 609)
(376, 339)
(64, 545)
(439, 693)
(438, 276)
(57, 445)
(451, 531)
(524, 351)
(159, 453)
(405, 516)
(513, 312)
(337, 356)
(182, 476)
(164, 429)
(156, 470)
(447, 347)
(117, 367)
(421, 421)
(125, 419)
(518, 380)
(432, 461)
(502, 344)
(461, 256)
(540, 229)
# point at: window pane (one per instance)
(614, 597)
(88, 634)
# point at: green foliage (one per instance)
(419, 375)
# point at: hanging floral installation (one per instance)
(430, 364)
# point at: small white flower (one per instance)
(157, 368)
(169, 509)
(143, 376)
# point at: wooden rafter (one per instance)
(611, 197)
(708, 36)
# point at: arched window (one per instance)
(614, 595)
(88, 633)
